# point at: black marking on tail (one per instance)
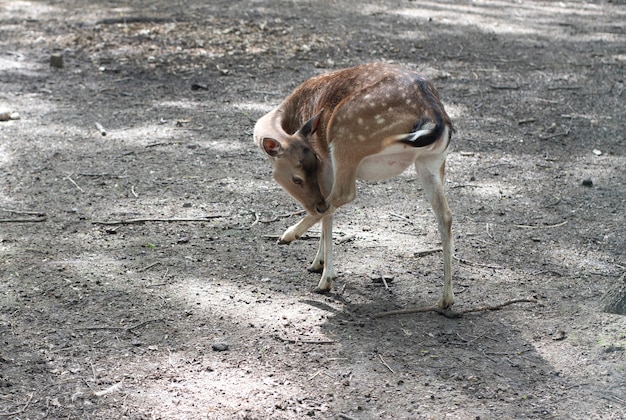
(429, 94)
(428, 138)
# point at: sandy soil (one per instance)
(186, 308)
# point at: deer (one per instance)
(369, 122)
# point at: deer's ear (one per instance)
(311, 125)
(272, 147)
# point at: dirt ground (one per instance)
(187, 308)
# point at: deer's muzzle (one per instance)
(322, 207)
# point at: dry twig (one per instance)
(384, 281)
(21, 410)
(426, 252)
(298, 341)
(314, 375)
(109, 390)
(404, 232)
(551, 136)
(125, 329)
(345, 239)
(156, 219)
(148, 267)
(101, 129)
(301, 238)
(39, 219)
(401, 217)
(451, 314)
(256, 220)
(542, 227)
(504, 87)
(28, 212)
(380, 356)
(69, 178)
(101, 175)
(558, 200)
(500, 306)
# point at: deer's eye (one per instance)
(296, 180)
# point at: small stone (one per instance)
(587, 182)
(56, 61)
(8, 115)
(220, 346)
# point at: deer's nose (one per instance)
(322, 207)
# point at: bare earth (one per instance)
(197, 313)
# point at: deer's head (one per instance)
(297, 168)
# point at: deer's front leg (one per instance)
(344, 188)
(317, 266)
(324, 258)
(296, 231)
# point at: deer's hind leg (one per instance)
(431, 172)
